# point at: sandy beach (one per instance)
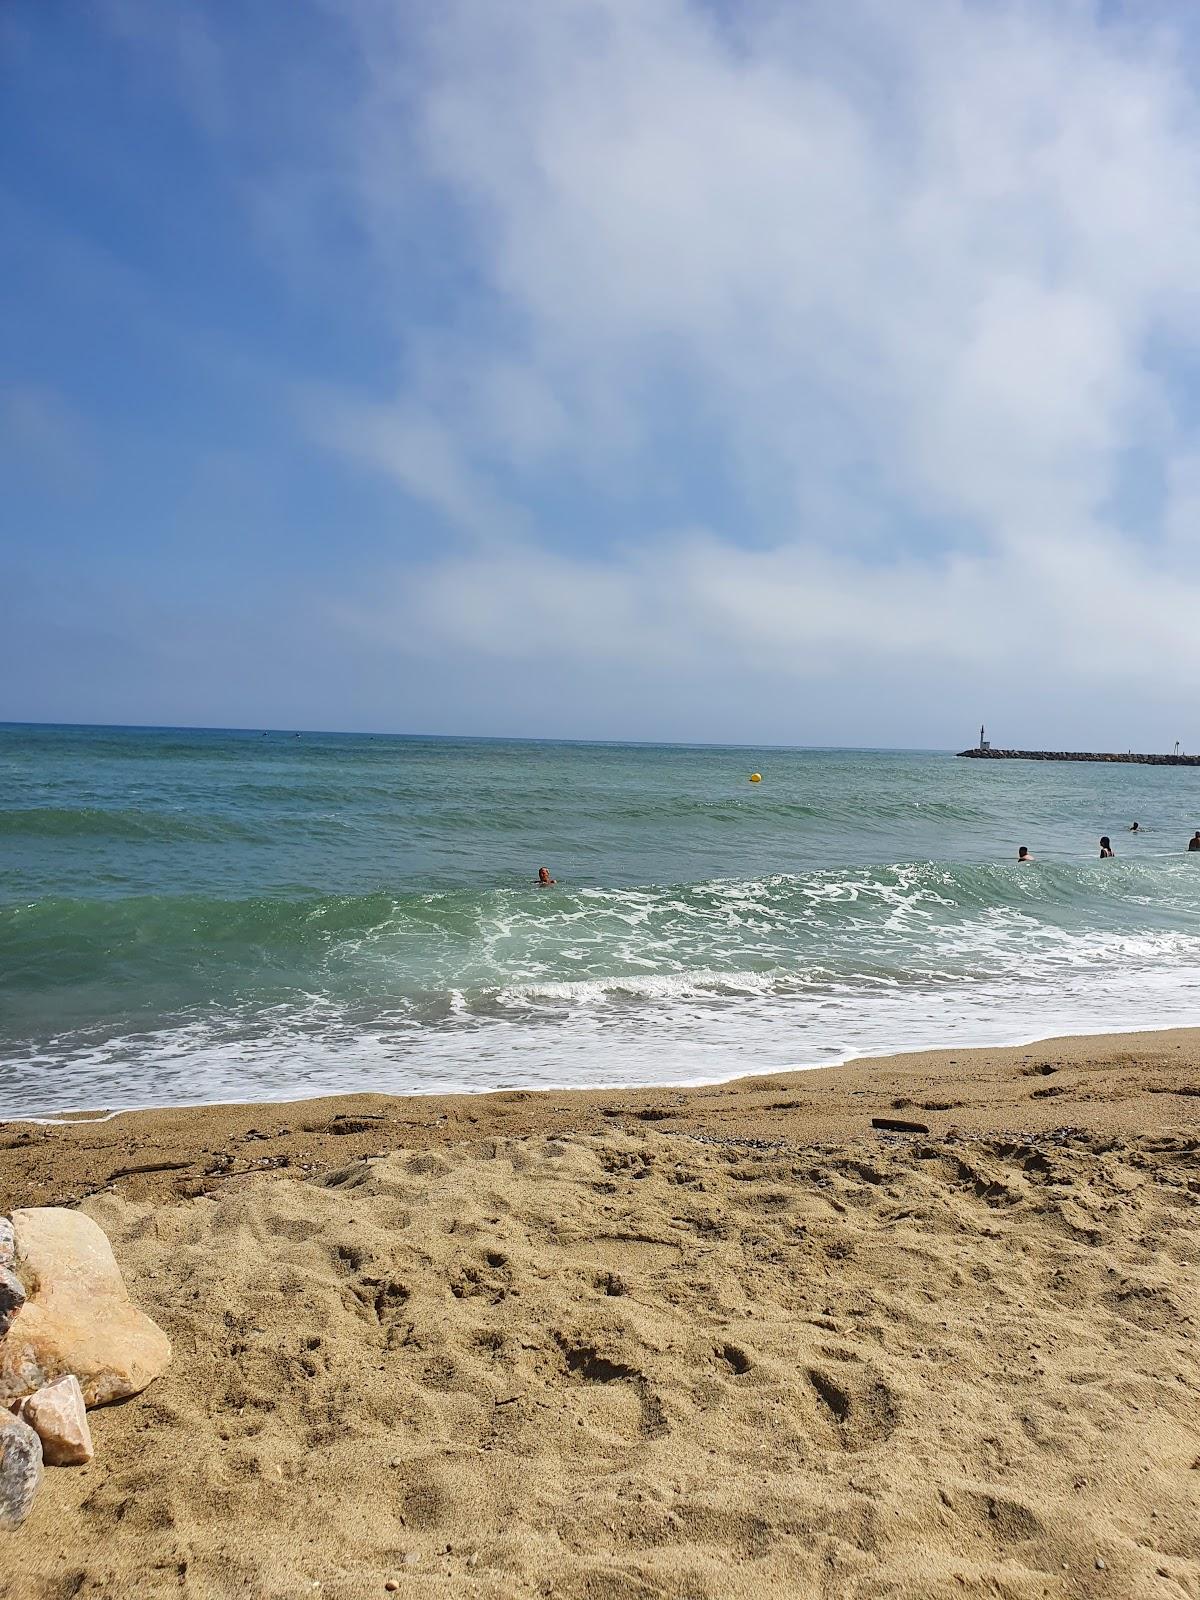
(730, 1341)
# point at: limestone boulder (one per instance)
(20, 1469)
(12, 1298)
(78, 1317)
(58, 1417)
(8, 1247)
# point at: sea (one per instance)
(194, 915)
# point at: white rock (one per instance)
(58, 1417)
(8, 1249)
(78, 1317)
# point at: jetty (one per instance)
(984, 751)
(1081, 755)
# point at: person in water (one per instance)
(1023, 855)
(1135, 827)
(1106, 848)
(1194, 841)
(544, 878)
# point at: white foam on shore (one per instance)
(672, 1045)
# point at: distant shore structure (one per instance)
(983, 752)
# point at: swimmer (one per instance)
(1106, 849)
(1134, 827)
(1023, 855)
(1194, 841)
(544, 879)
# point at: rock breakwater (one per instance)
(1130, 757)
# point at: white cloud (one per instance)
(905, 274)
(420, 452)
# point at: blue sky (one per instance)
(775, 372)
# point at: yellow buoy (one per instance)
(756, 777)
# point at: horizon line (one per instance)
(480, 738)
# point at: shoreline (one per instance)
(1103, 1083)
(96, 1115)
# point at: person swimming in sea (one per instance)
(1194, 841)
(1134, 827)
(1106, 849)
(544, 879)
(1023, 855)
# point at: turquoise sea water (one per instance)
(192, 915)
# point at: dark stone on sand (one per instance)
(898, 1125)
(12, 1298)
(20, 1470)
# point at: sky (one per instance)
(653, 369)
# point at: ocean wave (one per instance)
(865, 809)
(124, 824)
(853, 920)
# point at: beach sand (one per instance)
(727, 1341)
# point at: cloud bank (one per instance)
(915, 283)
(835, 362)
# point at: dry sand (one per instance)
(706, 1343)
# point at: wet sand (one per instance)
(727, 1341)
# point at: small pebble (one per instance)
(391, 1586)
(1101, 1564)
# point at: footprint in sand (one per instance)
(863, 1410)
